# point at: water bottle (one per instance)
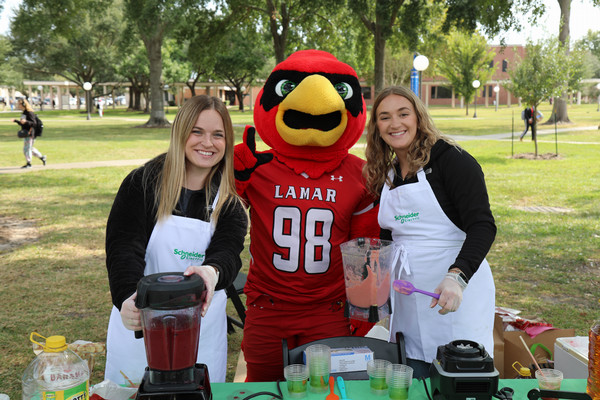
(593, 383)
(55, 373)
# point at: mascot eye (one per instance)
(344, 90)
(284, 87)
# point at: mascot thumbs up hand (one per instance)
(246, 160)
(306, 196)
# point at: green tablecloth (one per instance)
(359, 390)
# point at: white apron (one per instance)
(426, 244)
(127, 354)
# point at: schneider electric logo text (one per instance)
(407, 217)
(189, 255)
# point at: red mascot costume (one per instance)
(306, 196)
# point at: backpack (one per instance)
(39, 128)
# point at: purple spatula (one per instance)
(405, 287)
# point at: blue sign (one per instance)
(414, 81)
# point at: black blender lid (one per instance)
(169, 290)
(463, 356)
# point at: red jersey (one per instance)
(297, 226)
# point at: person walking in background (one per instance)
(527, 116)
(27, 122)
(434, 206)
(100, 107)
(183, 200)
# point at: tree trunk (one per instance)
(240, 96)
(379, 59)
(559, 109)
(157, 109)
(279, 39)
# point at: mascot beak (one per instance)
(313, 114)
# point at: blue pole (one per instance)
(414, 81)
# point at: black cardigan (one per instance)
(458, 183)
(132, 219)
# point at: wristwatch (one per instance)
(459, 276)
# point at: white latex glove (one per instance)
(130, 314)
(209, 274)
(451, 294)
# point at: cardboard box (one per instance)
(571, 356)
(508, 347)
(350, 359)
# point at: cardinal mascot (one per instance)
(306, 196)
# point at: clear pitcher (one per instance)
(367, 272)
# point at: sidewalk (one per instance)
(89, 164)
(138, 162)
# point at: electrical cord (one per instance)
(276, 396)
(425, 385)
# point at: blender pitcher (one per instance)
(170, 311)
(367, 272)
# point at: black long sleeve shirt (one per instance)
(458, 183)
(132, 219)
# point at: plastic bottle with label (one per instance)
(56, 373)
(593, 383)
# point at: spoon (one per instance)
(342, 387)
(332, 395)
(405, 287)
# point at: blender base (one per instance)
(197, 390)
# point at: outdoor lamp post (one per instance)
(420, 63)
(598, 87)
(476, 85)
(87, 87)
(497, 91)
(40, 91)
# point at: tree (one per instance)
(154, 20)
(559, 108)
(72, 39)
(239, 60)
(288, 20)
(543, 73)
(465, 60)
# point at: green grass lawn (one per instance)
(544, 263)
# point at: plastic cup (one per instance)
(318, 359)
(549, 379)
(296, 376)
(377, 370)
(399, 379)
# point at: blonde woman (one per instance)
(186, 200)
(27, 122)
(434, 206)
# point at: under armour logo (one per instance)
(339, 178)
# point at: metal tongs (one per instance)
(535, 394)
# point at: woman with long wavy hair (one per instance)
(434, 206)
(177, 213)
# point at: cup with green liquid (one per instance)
(296, 376)
(318, 358)
(399, 379)
(377, 371)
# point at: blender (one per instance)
(170, 311)
(367, 271)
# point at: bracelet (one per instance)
(458, 278)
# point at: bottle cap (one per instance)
(53, 344)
